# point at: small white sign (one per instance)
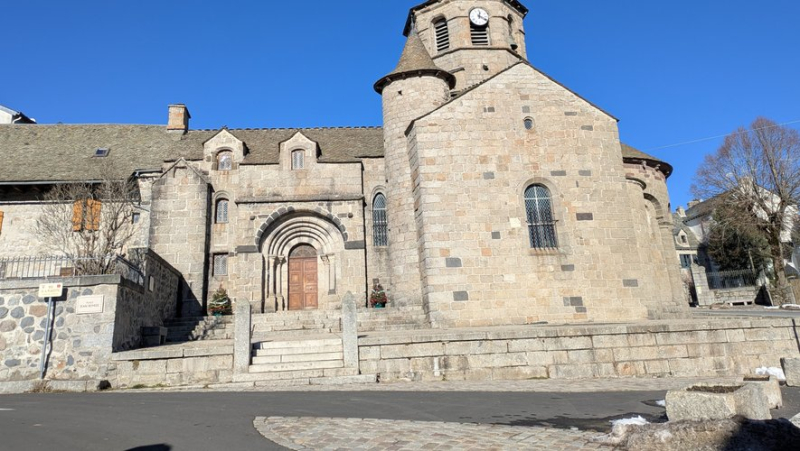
(51, 290)
(86, 305)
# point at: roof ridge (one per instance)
(345, 127)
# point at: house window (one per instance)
(380, 226)
(221, 216)
(480, 35)
(86, 214)
(686, 260)
(220, 265)
(684, 240)
(298, 159)
(539, 212)
(136, 217)
(225, 161)
(442, 35)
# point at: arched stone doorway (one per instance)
(303, 283)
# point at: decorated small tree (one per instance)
(378, 299)
(220, 303)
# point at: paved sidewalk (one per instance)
(323, 434)
(534, 385)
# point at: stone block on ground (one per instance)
(771, 388)
(736, 434)
(720, 401)
(791, 368)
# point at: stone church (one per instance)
(492, 195)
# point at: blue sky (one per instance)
(672, 72)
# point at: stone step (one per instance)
(294, 375)
(263, 328)
(296, 366)
(296, 358)
(298, 351)
(298, 344)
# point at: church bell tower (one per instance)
(471, 39)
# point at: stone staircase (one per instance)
(302, 359)
(199, 328)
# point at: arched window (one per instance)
(221, 216)
(225, 161)
(380, 227)
(298, 159)
(539, 212)
(442, 35)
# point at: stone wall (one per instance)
(179, 230)
(736, 295)
(658, 349)
(82, 344)
(477, 262)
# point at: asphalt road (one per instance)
(223, 421)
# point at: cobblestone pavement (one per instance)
(334, 434)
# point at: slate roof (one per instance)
(414, 61)
(629, 153)
(51, 153)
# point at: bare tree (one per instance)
(90, 223)
(756, 174)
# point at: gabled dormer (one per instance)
(298, 153)
(224, 151)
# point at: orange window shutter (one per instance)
(1, 221)
(77, 216)
(93, 221)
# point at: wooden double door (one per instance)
(303, 284)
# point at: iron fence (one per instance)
(54, 266)
(720, 280)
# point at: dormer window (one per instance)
(442, 35)
(225, 161)
(298, 159)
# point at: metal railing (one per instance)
(54, 266)
(721, 280)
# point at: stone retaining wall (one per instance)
(660, 349)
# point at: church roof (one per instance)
(415, 61)
(53, 153)
(629, 153)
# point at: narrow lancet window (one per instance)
(539, 212)
(380, 226)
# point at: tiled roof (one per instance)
(415, 60)
(48, 153)
(629, 152)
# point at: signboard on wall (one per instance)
(86, 305)
(50, 290)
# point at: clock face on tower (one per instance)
(479, 17)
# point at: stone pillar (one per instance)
(281, 273)
(704, 294)
(350, 331)
(330, 263)
(242, 347)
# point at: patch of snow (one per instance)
(635, 421)
(772, 308)
(662, 403)
(771, 371)
(790, 307)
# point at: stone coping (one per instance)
(554, 331)
(177, 351)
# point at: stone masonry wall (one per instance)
(478, 265)
(179, 231)
(659, 349)
(82, 344)
(377, 256)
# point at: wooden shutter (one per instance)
(93, 220)
(77, 216)
(1, 221)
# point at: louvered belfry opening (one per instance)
(480, 35)
(539, 211)
(442, 35)
(380, 226)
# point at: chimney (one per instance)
(178, 118)
(681, 212)
(694, 202)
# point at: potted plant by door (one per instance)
(220, 303)
(378, 299)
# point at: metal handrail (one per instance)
(37, 267)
